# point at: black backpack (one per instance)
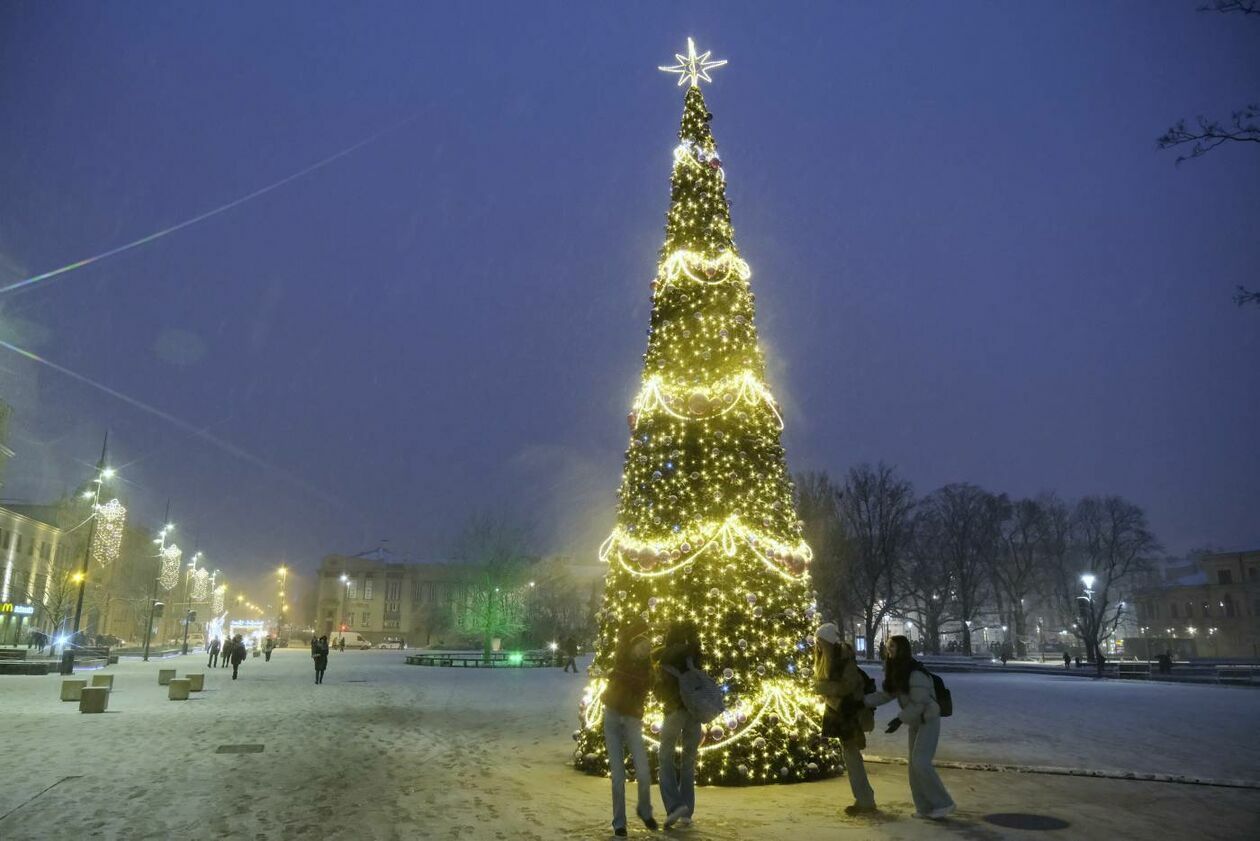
(944, 699)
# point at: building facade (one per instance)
(32, 592)
(1208, 609)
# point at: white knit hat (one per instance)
(828, 632)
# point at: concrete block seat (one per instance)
(106, 681)
(178, 689)
(196, 681)
(72, 689)
(93, 699)
(165, 676)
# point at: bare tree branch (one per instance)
(1243, 127)
(1225, 7)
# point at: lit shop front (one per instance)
(13, 619)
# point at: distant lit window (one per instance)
(367, 588)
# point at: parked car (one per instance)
(389, 643)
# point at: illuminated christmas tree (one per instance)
(706, 527)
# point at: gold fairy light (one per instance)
(107, 539)
(200, 584)
(169, 575)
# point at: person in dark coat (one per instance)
(569, 649)
(215, 646)
(681, 651)
(624, 699)
(268, 647)
(319, 652)
(843, 685)
(238, 654)
(1067, 660)
(225, 654)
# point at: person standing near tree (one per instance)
(238, 654)
(624, 699)
(215, 645)
(906, 680)
(570, 653)
(1067, 660)
(847, 718)
(680, 652)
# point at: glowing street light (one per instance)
(67, 653)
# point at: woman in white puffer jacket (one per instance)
(906, 680)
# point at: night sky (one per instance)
(970, 259)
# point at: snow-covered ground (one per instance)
(384, 751)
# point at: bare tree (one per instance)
(1245, 7)
(492, 551)
(927, 578)
(1110, 545)
(875, 512)
(1018, 568)
(818, 506)
(968, 530)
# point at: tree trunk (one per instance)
(966, 638)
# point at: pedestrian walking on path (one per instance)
(225, 655)
(844, 687)
(680, 652)
(238, 654)
(1067, 660)
(569, 649)
(214, 653)
(624, 699)
(319, 652)
(906, 680)
(268, 647)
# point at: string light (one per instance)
(220, 593)
(200, 584)
(107, 540)
(706, 529)
(169, 576)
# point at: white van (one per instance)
(352, 638)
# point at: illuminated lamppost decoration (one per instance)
(107, 541)
(200, 585)
(219, 595)
(171, 556)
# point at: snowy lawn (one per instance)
(389, 751)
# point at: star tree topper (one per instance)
(692, 66)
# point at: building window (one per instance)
(1253, 573)
(352, 589)
(1224, 576)
(349, 619)
(1172, 610)
(1207, 611)
(393, 591)
(367, 588)
(1229, 606)
(364, 620)
(6, 538)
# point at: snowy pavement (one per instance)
(388, 751)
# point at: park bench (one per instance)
(12, 653)
(1133, 671)
(1238, 675)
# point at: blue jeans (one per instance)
(926, 788)
(678, 782)
(622, 732)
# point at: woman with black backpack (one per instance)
(911, 684)
(681, 651)
(844, 686)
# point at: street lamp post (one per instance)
(153, 602)
(284, 578)
(345, 586)
(188, 611)
(102, 473)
